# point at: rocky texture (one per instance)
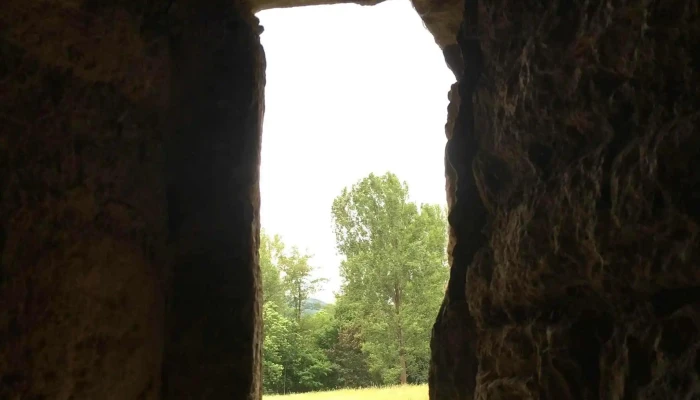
(213, 344)
(259, 5)
(82, 203)
(442, 18)
(129, 152)
(576, 215)
(454, 363)
(87, 201)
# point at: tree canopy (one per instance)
(394, 270)
(393, 277)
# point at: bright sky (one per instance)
(350, 90)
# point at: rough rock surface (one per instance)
(129, 200)
(576, 215)
(88, 105)
(213, 341)
(259, 5)
(82, 202)
(442, 18)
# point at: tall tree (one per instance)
(297, 280)
(276, 327)
(394, 269)
(342, 341)
(271, 252)
(292, 358)
(276, 347)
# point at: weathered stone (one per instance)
(454, 353)
(213, 345)
(129, 200)
(442, 18)
(259, 5)
(583, 155)
(82, 210)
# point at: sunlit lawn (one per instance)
(408, 392)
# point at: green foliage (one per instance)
(292, 360)
(276, 347)
(307, 364)
(271, 251)
(394, 271)
(297, 281)
(342, 342)
(378, 330)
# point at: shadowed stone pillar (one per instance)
(576, 155)
(213, 346)
(82, 200)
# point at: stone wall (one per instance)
(576, 216)
(129, 156)
(213, 339)
(82, 201)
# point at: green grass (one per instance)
(408, 392)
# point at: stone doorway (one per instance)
(572, 181)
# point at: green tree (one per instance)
(297, 280)
(393, 273)
(277, 327)
(341, 339)
(292, 359)
(271, 251)
(276, 347)
(308, 366)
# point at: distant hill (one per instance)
(312, 306)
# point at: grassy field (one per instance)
(410, 392)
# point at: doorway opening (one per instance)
(353, 213)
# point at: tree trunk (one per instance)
(402, 358)
(402, 354)
(300, 300)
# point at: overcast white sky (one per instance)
(350, 90)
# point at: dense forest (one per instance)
(377, 332)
